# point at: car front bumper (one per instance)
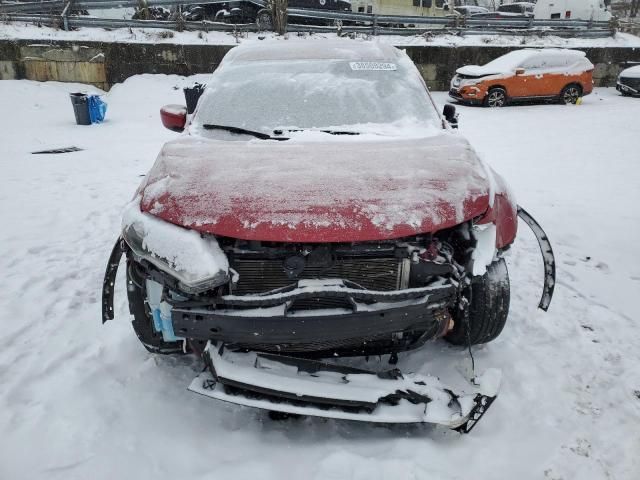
(263, 322)
(623, 88)
(461, 96)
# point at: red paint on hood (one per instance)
(338, 190)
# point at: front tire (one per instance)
(489, 308)
(497, 97)
(570, 94)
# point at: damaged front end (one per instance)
(263, 313)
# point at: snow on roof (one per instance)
(509, 62)
(320, 49)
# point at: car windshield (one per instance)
(509, 61)
(334, 95)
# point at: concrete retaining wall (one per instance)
(104, 64)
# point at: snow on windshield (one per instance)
(508, 62)
(317, 94)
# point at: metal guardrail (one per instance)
(76, 22)
(59, 12)
(59, 5)
(451, 21)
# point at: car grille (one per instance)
(631, 82)
(263, 275)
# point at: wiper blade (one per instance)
(330, 132)
(242, 131)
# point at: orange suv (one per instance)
(530, 74)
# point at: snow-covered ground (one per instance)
(80, 400)
(15, 31)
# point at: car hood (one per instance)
(336, 190)
(479, 71)
(631, 72)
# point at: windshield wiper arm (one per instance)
(242, 131)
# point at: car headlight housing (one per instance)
(469, 82)
(196, 262)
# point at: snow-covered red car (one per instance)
(525, 75)
(317, 206)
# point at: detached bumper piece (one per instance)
(548, 259)
(308, 387)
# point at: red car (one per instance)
(318, 206)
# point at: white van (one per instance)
(572, 10)
(419, 8)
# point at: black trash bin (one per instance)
(80, 108)
(192, 95)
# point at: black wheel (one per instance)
(489, 308)
(142, 321)
(264, 20)
(497, 97)
(570, 94)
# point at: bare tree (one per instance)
(279, 15)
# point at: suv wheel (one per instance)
(497, 97)
(570, 94)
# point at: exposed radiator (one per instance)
(262, 275)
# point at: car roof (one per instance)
(563, 51)
(312, 49)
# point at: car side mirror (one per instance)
(450, 115)
(519, 71)
(174, 117)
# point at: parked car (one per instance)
(249, 11)
(519, 8)
(530, 74)
(315, 206)
(470, 10)
(629, 81)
